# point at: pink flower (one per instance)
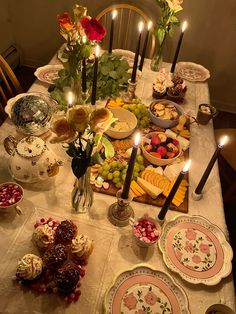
(150, 298)
(190, 234)
(196, 259)
(130, 301)
(93, 29)
(188, 247)
(178, 254)
(204, 248)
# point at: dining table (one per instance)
(114, 248)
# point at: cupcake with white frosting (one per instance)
(81, 247)
(43, 237)
(29, 268)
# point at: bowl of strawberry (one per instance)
(146, 231)
(11, 194)
(160, 149)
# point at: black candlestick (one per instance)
(207, 172)
(133, 76)
(94, 87)
(84, 87)
(111, 36)
(129, 173)
(172, 193)
(178, 49)
(144, 49)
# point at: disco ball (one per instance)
(31, 114)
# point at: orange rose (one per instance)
(64, 21)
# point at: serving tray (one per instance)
(196, 249)
(192, 72)
(145, 290)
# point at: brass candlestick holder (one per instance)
(128, 96)
(120, 212)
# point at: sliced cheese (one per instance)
(183, 142)
(172, 171)
(170, 133)
(137, 187)
(151, 189)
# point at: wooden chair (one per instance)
(9, 86)
(126, 27)
(228, 172)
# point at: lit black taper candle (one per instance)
(165, 207)
(129, 173)
(113, 16)
(184, 26)
(84, 87)
(133, 76)
(145, 46)
(209, 167)
(95, 74)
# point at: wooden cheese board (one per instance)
(146, 198)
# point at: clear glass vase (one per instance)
(157, 60)
(82, 194)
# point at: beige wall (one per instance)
(209, 40)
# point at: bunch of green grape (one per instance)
(112, 172)
(116, 171)
(140, 111)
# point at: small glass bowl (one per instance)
(15, 204)
(142, 241)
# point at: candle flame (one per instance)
(149, 26)
(140, 26)
(137, 139)
(186, 166)
(184, 26)
(97, 51)
(84, 39)
(114, 14)
(70, 98)
(223, 141)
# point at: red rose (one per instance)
(64, 21)
(93, 29)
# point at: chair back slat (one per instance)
(126, 27)
(9, 86)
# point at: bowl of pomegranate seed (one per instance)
(160, 149)
(11, 194)
(146, 230)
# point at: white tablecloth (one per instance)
(114, 249)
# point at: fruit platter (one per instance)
(161, 156)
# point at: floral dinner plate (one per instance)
(48, 73)
(145, 290)
(192, 72)
(196, 249)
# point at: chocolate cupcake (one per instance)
(65, 232)
(55, 256)
(29, 268)
(67, 278)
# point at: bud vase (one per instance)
(157, 60)
(82, 194)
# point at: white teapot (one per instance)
(31, 160)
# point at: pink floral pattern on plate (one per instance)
(48, 73)
(196, 249)
(143, 290)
